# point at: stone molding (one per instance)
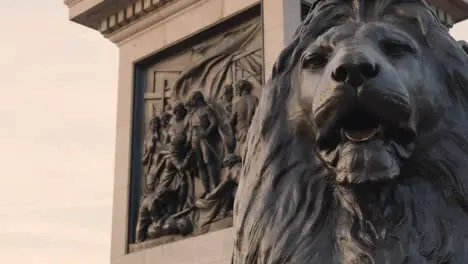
(131, 13)
(146, 20)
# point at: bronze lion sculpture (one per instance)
(358, 152)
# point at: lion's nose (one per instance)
(355, 74)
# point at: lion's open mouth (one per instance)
(361, 147)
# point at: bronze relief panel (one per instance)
(198, 105)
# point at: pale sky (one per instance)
(58, 85)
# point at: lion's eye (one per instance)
(315, 60)
(396, 49)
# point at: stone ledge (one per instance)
(218, 225)
(212, 248)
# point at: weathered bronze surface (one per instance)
(358, 151)
(199, 105)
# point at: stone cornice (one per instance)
(133, 12)
(123, 32)
(71, 2)
(90, 12)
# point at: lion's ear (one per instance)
(464, 45)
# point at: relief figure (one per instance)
(203, 136)
(242, 114)
(151, 146)
(227, 98)
(178, 128)
(165, 125)
(163, 212)
(218, 204)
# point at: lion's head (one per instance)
(358, 151)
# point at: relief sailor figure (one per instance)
(203, 125)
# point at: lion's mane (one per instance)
(288, 210)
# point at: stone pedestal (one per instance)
(158, 40)
(144, 40)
